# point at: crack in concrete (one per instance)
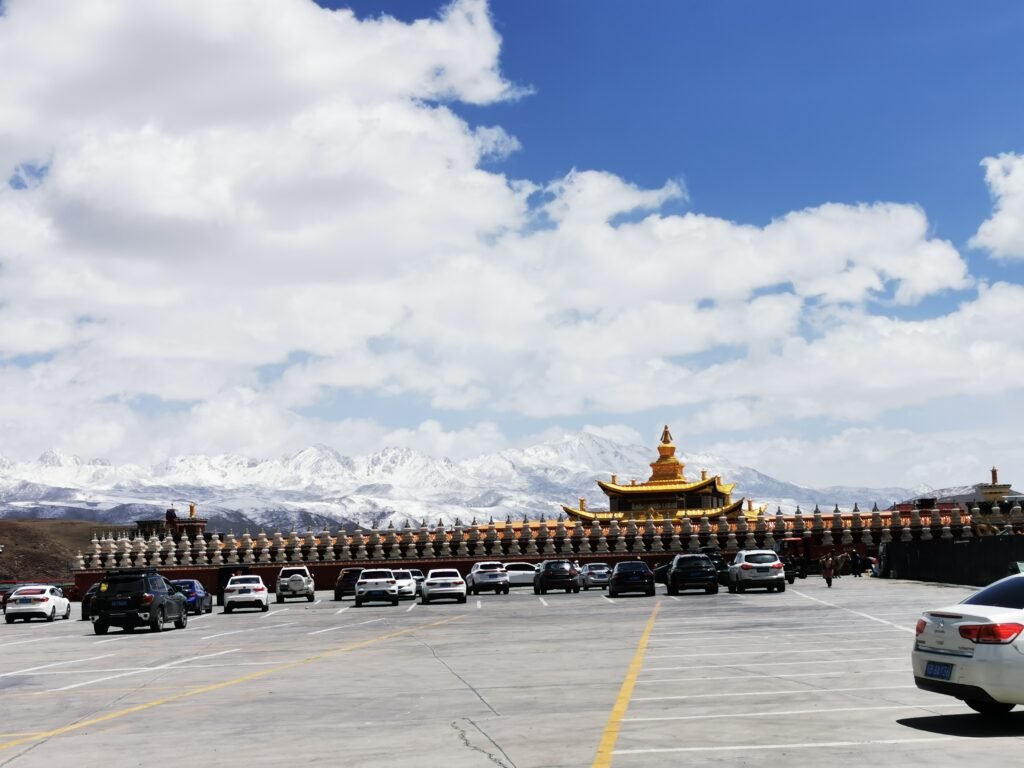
(464, 738)
(459, 677)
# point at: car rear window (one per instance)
(557, 566)
(402, 574)
(598, 566)
(633, 567)
(135, 584)
(377, 575)
(761, 558)
(1002, 594)
(489, 567)
(245, 580)
(24, 592)
(519, 567)
(444, 575)
(691, 559)
(292, 572)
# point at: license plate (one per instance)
(762, 570)
(118, 603)
(24, 600)
(245, 591)
(938, 670)
(445, 584)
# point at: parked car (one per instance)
(88, 601)
(246, 592)
(715, 555)
(295, 581)
(488, 576)
(443, 584)
(973, 650)
(692, 572)
(37, 601)
(376, 584)
(199, 600)
(406, 584)
(138, 597)
(417, 574)
(556, 574)
(520, 574)
(595, 575)
(346, 583)
(631, 576)
(757, 568)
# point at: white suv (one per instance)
(489, 576)
(756, 568)
(376, 584)
(295, 581)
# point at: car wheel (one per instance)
(543, 590)
(227, 608)
(536, 590)
(462, 598)
(732, 588)
(611, 592)
(279, 599)
(424, 600)
(575, 590)
(67, 613)
(650, 592)
(740, 588)
(586, 589)
(53, 614)
(157, 625)
(359, 603)
(712, 590)
(791, 579)
(394, 602)
(673, 590)
(769, 588)
(265, 607)
(100, 627)
(182, 621)
(310, 597)
(781, 588)
(337, 597)
(989, 707)
(9, 619)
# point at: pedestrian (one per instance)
(828, 570)
(856, 564)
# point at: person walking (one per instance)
(828, 568)
(856, 564)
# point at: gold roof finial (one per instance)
(666, 436)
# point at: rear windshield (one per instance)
(490, 567)
(557, 566)
(444, 574)
(351, 571)
(520, 567)
(691, 559)
(402, 574)
(762, 558)
(245, 580)
(186, 584)
(23, 592)
(292, 572)
(598, 566)
(633, 567)
(377, 575)
(131, 584)
(1002, 594)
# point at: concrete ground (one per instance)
(810, 677)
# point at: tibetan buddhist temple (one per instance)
(666, 494)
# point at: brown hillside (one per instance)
(42, 549)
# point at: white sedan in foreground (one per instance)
(974, 650)
(37, 601)
(443, 583)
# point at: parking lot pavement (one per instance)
(517, 680)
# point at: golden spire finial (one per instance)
(995, 476)
(666, 436)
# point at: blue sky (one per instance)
(794, 231)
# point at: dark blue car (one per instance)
(199, 600)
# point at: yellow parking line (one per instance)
(218, 686)
(611, 728)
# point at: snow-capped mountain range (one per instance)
(317, 486)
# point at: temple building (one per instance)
(666, 494)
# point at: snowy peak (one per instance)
(57, 458)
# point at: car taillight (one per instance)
(260, 589)
(458, 583)
(778, 566)
(360, 583)
(391, 581)
(746, 567)
(146, 599)
(991, 634)
(921, 624)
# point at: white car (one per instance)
(443, 583)
(520, 574)
(376, 584)
(295, 581)
(488, 576)
(756, 569)
(406, 584)
(974, 650)
(246, 592)
(37, 601)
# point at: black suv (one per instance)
(721, 566)
(556, 574)
(137, 597)
(692, 572)
(346, 583)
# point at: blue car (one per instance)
(199, 600)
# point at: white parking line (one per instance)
(479, 604)
(273, 613)
(168, 665)
(543, 601)
(240, 631)
(411, 606)
(32, 640)
(800, 692)
(753, 653)
(746, 676)
(789, 712)
(318, 602)
(54, 664)
(673, 597)
(774, 664)
(344, 626)
(815, 745)
(342, 610)
(857, 613)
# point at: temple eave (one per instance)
(604, 515)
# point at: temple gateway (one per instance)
(667, 494)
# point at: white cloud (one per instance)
(1003, 232)
(234, 186)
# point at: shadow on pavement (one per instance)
(970, 726)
